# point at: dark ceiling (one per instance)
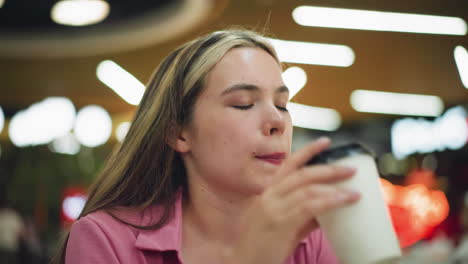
(20, 16)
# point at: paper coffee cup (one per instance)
(361, 233)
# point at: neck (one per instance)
(215, 216)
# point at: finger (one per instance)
(312, 175)
(312, 201)
(299, 158)
(302, 156)
(317, 207)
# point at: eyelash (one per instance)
(245, 107)
(282, 108)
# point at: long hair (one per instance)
(144, 170)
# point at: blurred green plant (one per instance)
(33, 179)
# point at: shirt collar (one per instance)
(166, 238)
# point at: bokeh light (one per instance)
(311, 117)
(73, 205)
(396, 103)
(79, 12)
(449, 131)
(93, 126)
(42, 122)
(73, 201)
(67, 144)
(461, 59)
(313, 53)
(314, 16)
(122, 130)
(415, 210)
(120, 81)
(294, 78)
(2, 119)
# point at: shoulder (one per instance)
(113, 223)
(116, 222)
(100, 237)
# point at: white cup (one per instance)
(361, 233)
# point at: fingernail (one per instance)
(343, 196)
(347, 196)
(323, 139)
(348, 169)
(354, 195)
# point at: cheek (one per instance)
(289, 130)
(224, 136)
(227, 133)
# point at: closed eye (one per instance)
(282, 108)
(243, 107)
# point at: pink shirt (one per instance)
(99, 238)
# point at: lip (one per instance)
(273, 158)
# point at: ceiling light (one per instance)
(461, 59)
(122, 130)
(378, 20)
(314, 117)
(93, 126)
(294, 78)
(122, 82)
(313, 53)
(79, 12)
(396, 103)
(42, 122)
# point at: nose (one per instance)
(274, 122)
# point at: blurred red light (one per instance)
(73, 200)
(415, 210)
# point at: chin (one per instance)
(258, 187)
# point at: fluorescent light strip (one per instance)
(313, 53)
(314, 117)
(122, 82)
(461, 59)
(295, 78)
(378, 20)
(396, 103)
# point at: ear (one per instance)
(179, 140)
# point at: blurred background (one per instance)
(392, 75)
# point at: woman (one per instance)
(205, 174)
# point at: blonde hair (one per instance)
(145, 170)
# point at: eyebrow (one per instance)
(251, 88)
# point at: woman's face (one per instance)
(241, 131)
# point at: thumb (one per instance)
(302, 156)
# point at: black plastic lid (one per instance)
(339, 152)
